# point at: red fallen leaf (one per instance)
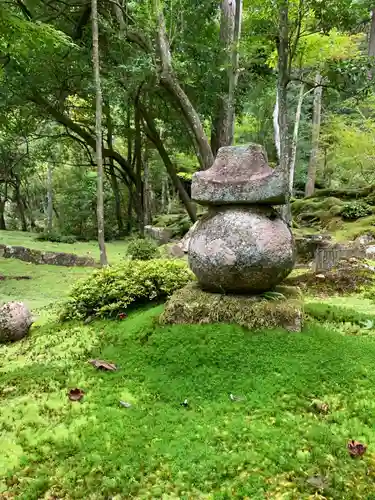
(103, 365)
(122, 316)
(356, 449)
(75, 394)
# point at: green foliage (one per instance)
(337, 314)
(56, 237)
(179, 224)
(110, 291)
(356, 210)
(142, 249)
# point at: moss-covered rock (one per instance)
(282, 308)
(349, 276)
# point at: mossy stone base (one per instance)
(191, 305)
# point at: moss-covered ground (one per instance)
(271, 444)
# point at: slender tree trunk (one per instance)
(2, 218)
(49, 199)
(293, 149)
(371, 39)
(221, 125)
(129, 222)
(154, 136)
(20, 205)
(147, 188)
(222, 131)
(233, 77)
(276, 127)
(98, 130)
(114, 180)
(282, 104)
(138, 169)
(317, 111)
(170, 83)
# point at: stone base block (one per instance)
(281, 308)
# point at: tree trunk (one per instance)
(317, 111)
(114, 180)
(154, 136)
(221, 121)
(233, 77)
(2, 218)
(49, 199)
(138, 170)
(171, 84)
(371, 39)
(222, 132)
(282, 104)
(147, 188)
(98, 131)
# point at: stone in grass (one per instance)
(15, 321)
(191, 305)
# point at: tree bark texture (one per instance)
(154, 136)
(49, 199)
(169, 81)
(313, 161)
(98, 132)
(371, 39)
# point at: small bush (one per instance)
(55, 237)
(110, 291)
(142, 249)
(356, 210)
(68, 239)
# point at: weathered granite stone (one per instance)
(15, 321)
(241, 249)
(240, 175)
(184, 243)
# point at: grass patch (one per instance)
(116, 250)
(48, 284)
(266, 446)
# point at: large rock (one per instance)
(15, 321)
(240, 175)
(241, 249)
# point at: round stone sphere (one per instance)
(15, 321)
(241, 249)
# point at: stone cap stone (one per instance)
(240, 175)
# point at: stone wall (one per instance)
(40, 257)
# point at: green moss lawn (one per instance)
(273, 444)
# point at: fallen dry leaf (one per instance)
(75, 394)
(320, 406)
(103, 365)
(356, 449)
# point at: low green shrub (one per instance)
(355, 210)
(110, 291)
(55, 237)
(142, 249)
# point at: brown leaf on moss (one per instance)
(320, 406)
(75, 394)
(356, 449)
(103, 365)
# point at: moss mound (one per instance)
(191, 305)
(349, 276)
(317, 210)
